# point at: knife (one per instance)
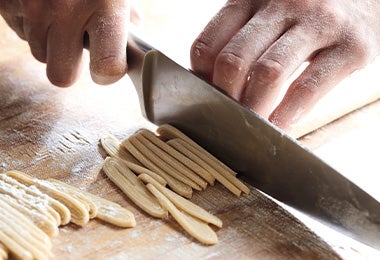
(264, 155)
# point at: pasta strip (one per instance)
(161, 164)
(177, 186)
(112, 145)
(24, 232)
(179, 156)
(12, 230)
(112, 213)
(77, 194)
(39, 219)
(170, 132)
(182, 203)
(3, 251)
(196, 228)
(79, 214)
(14, 247)
(18, 191)
(63, 211)
(171, 161)
(25, 220)
(114, 148)
(127, 181)
(181, 146)
(106, 210)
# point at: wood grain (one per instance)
(51, 132)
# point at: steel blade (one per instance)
(265, 156)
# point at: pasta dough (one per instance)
(33, 209)
(181, 163)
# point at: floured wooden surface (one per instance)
(50, 132)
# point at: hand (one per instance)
(55, 31)
(250, 48)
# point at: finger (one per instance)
(36, 34)
(64, 53)
(108, 42)
(17, 25)
(233, 16)
(234, 62)
(273, 68)
(35, 28)
(326, 70)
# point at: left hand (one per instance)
(251, 47)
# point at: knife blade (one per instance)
(263, 154)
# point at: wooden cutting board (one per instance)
(51, 132)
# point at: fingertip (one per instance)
(108, 70)
(62, 82)
(230, 73)
(61, 77)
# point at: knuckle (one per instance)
(324, 18)
(309, 87)
(229, 63)
(201, 51)
(266, 70)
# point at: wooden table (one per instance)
(51, 132)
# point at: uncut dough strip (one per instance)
(79, 214)
(18, 191)
(169, 132)
(112, 145)
(127, 181)
(196, 228)
(161, 164)
(182, 203)
(179, 145)
(77, 194)
(61, 209)
(206, 156)
(107, 210)
(39, 219)
(170, 160)
(25, 233)
(179, 156)
(177, 186)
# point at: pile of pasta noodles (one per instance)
(159, 172)
(33, 209)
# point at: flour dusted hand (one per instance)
(251, 47)
(55, 31)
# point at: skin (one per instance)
(56, 29)
(250, 48)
